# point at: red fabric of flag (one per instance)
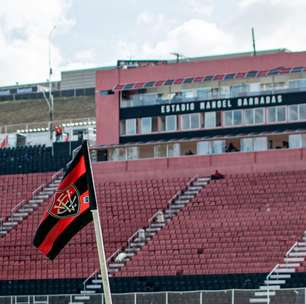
(68, 212)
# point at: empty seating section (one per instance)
(124, 206)
(18, 187)
(39, 158)
(242, 224)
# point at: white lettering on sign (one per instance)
(219, 104)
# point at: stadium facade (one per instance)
(162, 129)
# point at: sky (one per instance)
(91, 33)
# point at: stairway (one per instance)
(26, 208)
(281, 273)
(141, 237)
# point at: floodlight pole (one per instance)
(51, 100)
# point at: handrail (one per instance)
(272, 271)
(292, 247)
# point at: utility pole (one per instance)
(51, 101)
(254, 42)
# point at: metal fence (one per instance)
(233, 296)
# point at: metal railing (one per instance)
(11, 128)
(229, 296)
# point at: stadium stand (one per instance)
(242, 224)
(30, 159)
(126, 207)
(19, 187)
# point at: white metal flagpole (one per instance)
(97, 225)
(102, 258)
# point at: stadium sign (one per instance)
(221, 104)
(224, 104)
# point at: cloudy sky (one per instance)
(98, 32)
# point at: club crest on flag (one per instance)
(66, 203)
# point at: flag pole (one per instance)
(97, 225)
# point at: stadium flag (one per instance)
(73, 206)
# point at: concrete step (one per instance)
(280, 276)
(115, 265)
(203, 178)
(35, 200)
(26, 209)
(132, 250)
(81, 297)
(176, 207)
(9, 224)
(153, 229)
(290, 265)
(41, 196)
(94, 286)
(186, 196)
(300, 248)
(301, 244)
(160, 225)
(285, 270)
(77, 302)
(258, 300)
(20, 214)
(275, 282)
(195, 188)
(297, 259)
(273, 287)
(190, 192)
(97, 281)
(86, 292)
(297, 254)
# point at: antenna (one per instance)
(178, 56)
(254, 42)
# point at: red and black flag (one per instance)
(69, 210)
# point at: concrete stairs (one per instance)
(25, 208)
(141, 237)
(281, 273)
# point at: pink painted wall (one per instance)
(230, 163)
(107, 107)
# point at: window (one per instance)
(281, 113)
(154, 124)
(204, 148)
(254, 144)
(162, 126)
(276, 114)
(130, 126)
(218, 146)
(173, 150)
(210, 120)
(237, 117)
(259, 115)
(132, 153)
(232, 118)
(118, 154)
(228, 118)
(246, 144)
(185, 122)
(249, 116)
(302, 111)
(203, 94)
(295, 141)
(160, 151)
(260, 144)
(171, 123)
(293, 112)
(122, 127)
(146, 125)
(190, 121)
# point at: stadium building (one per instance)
(158, 131)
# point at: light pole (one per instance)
(50, 101)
